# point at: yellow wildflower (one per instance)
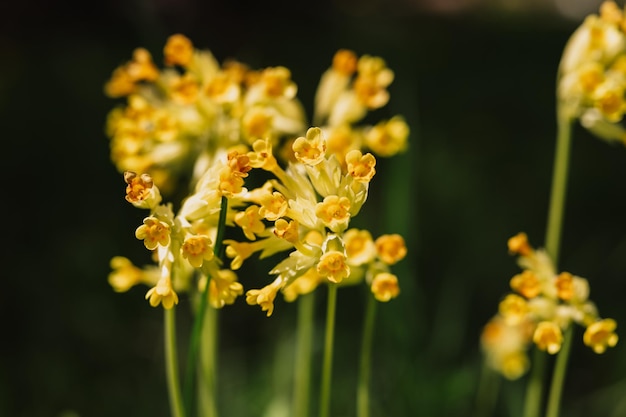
(391, 248)
(548, 337)
(600, 335)
(310, 150)
(388, 138)
(361, 167)
(513, 309)
(518, 244)
(526, 283)
(125, 275)
(250, 221)
(264, 297)
(334, 211)
(153, 232)
(360, 247)
(333, 266)
(141, 191)
(178, 50)
(197, 249)
(162, 293)
(385, 286)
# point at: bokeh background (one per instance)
(474, 80)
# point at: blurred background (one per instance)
(475, 81)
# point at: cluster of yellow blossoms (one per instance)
(592, 73)
(212, 125)
(541, 306)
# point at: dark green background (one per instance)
(477, 89)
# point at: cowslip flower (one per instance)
(542, 304)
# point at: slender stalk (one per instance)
(302, 368)
(363, 388)
(486, 392)
(534, 389)
(197, 332)
(558, 377)
(559, 185)
(207, 379)
(171, 363)
(327, 365)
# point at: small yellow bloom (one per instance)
(124, 275)
(513, 308)
(287, 230)
(178, 50)
(334, 211)
(261, 155)
(223, 288)
(302, 285)
(385, 286)
(361, 167)
(548, 337)
(153, 232)
(184, 89)
(564, 284)
(264, 297)
(526, 284)
(162, 293)
(600, 335)
(345, 62)
(519, 245)
(360, 247)
(197, 249)
(273, 206)
(310, 150)
(277, 82)
(250, 221)
(388, 138)
(141, 191)
(391, 248)
(333, 266)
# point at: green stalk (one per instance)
(171, 363)
(207, 379)
(487, 391)
(327, 365)
(534, 389)
(363, 388)
(194, 343)
(552, 246)
(558, 377)
(302, 368)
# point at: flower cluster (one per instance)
(307, 208)
(213, 124)
(542, 304)
(592, 73)
(183, 115)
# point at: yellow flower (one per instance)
(178, 50)
(600, 335)
(388, 138)
(519, 245)
(162, 293)
(333, 266)
(391, 248)
(141, 191)
(273, 206)
(197, 249)
(361, 167)
(385, 286)
(360, 247)
(287, 230)
(548, 337)
(513, 308)
(153, 232)
(310, 150)
(264, 297)
(250, 221)
(304, 284)
(223, 288)
(334, 211)
(126, 275)
(526, 283)
(564, 283)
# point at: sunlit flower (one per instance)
(600, 335)
(197, 249)
(178, 50)
(385, 286)
(163, 294)
(153, 232)
(391, 248)
(264, 297)
(333, 266)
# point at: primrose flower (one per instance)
(542, 305)
(385, 286)
(153, 232)
(592, 82)
(162, 293)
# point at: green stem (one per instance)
(302, 369)
(487, 391)
(327, 365)
(534, 389)
(171, 363)
(559, 185)
(363, 403)
(558, 377)
(194, 343)
(207, 379)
